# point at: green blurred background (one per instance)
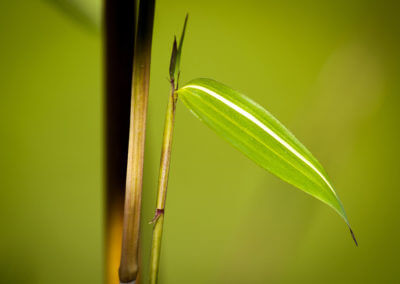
(329, 70)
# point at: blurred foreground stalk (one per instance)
(129, 265)
(119, 28)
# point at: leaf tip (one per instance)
(353, 236)
(186, 19)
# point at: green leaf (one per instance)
(260, 136)
(176, 56)
(172, 64)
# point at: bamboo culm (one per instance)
(129, 265)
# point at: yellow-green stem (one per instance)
(129, 265)
(162, 186)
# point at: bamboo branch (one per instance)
(129, 265)
(158, 220)
(162, 185)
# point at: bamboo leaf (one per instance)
(176, 56)
(261, 137)
(172, 64)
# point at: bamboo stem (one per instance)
(119, 28)
(129, 265)
(162, 185)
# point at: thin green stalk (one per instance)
(129, 265)
(158, 219)
(162, 185)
